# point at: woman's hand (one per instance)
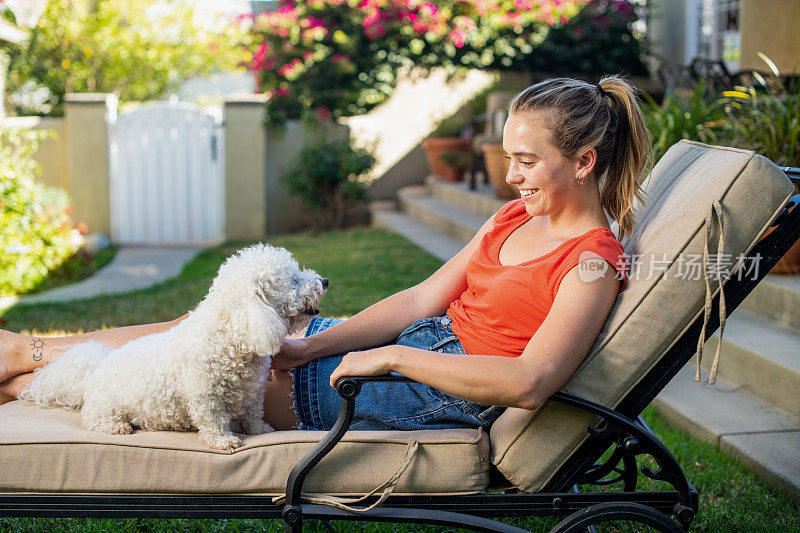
(374, 362)
(293, 353)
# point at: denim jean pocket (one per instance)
(491, 414)
(449, 344)
(415, 327)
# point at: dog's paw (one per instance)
(221, 442)
(257, 427)
(114, 428)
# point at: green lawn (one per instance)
(365, 265)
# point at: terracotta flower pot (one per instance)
(497, 169)
(790, 262)
(453, 174)
(435, 147)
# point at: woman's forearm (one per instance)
(376, 325)
(486, 379)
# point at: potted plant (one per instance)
(456, 164)
(445, 139)
(496, 169)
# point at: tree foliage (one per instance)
(342, 57)
(137, 50)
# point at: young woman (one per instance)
(517, 310)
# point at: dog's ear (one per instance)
(265, 328)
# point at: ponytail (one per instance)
(631, 155)
(605, 117)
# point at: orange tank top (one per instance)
(503, 306)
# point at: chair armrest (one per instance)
(349, 387)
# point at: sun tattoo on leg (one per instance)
(38, 349)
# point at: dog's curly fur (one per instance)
(205, 372)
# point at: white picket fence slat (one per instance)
(167, 176)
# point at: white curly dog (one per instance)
(205, 372)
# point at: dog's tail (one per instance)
(62, 382)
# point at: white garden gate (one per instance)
(167, 175)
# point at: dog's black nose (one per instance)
(324, 282)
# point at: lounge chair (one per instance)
(699, 198)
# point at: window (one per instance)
(716, 34)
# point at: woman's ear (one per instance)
(586, 162)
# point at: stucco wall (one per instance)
(245, 160)
(770, 26)
(86, 131)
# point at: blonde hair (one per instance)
(605, 117)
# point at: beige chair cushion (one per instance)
(529, 446)
(46, 450)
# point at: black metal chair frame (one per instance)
(620, 430)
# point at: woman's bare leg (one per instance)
(22, 354)
(279, 402)
(11, 387)
(279, 409)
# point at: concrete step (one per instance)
(776, 298)
(435, 243)
(444, 217)
(481, 200)
(760, 357)
(761, 436)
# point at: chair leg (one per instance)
(607, 512)
(293, 518)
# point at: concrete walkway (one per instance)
(133, 267)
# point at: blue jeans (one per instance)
(389, 405)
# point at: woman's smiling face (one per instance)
(544, 177)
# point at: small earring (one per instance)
(580, 179)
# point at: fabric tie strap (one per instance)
(387, 487)
(713, 209)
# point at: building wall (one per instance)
(666, 30)
(770, 26)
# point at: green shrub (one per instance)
(342, 57)
(599, 39)
(449, 127)
(768, 123)
(327, 177)
(36, 231)
(698, 117)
